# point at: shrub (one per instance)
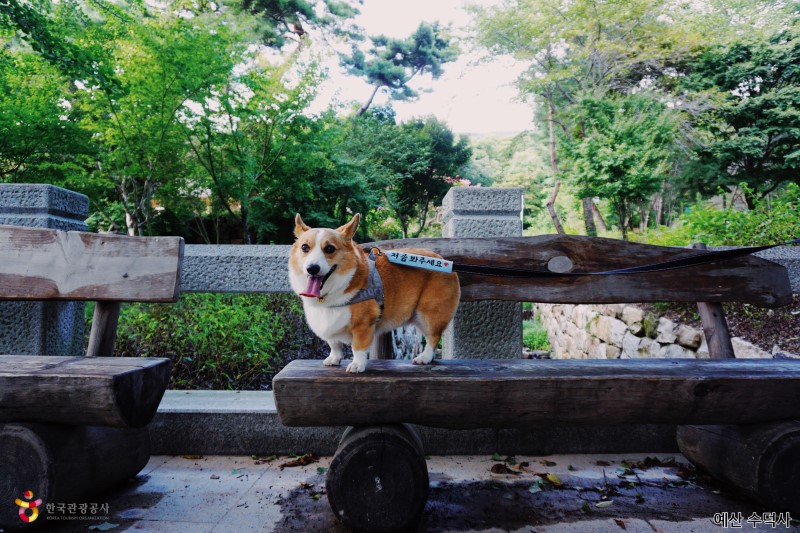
(534, 335)
(771, 221)
(218, 341)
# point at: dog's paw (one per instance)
(331, 360)
(421, 359)
(357, 367)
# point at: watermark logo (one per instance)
(28, 507)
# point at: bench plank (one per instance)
(466, 394)
(109, 391)
(46, 264)
(747, 279)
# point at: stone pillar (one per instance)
(485, 329)
(42, 328)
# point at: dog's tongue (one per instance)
(314, 286)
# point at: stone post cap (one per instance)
(483, 201)
(40, 205)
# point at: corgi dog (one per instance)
(340, 287)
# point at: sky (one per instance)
(471, 97)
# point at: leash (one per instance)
(701, 258)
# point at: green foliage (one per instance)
(214, 340)
(752, 92)
(773, 220)
(534, 335)
(392, 63)
(622, 152)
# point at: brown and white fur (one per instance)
(330, 258)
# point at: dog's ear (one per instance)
(299, 226)
(349, 229)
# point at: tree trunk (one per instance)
(588, 217)
(599, 218)
(551, 203)
(368, 103)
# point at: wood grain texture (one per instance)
(762, 460)
(104, 329)
(118, 391)
(747, 279)
(524, 393)
(46, 264)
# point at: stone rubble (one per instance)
(625, 331)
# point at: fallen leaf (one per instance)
(321, 470)
(497, 457)
(552, 478)
(620, 523)
(501, 469)
(602, 463)
(603, 505)
(301, 460)
(192, 457)
(547, 463)
(214, 476)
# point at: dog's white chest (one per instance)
(329, 323)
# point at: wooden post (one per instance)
(762, 460)
(715, 326)
(378, 479)
(104, 329)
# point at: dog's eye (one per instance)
(329, 249)
(306, 248)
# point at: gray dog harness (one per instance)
(373, 290)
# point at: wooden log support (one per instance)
(118, 391)
(378, 479)
(762, 460)
(715, 327)
(104, 329)
(464, 394)
(64, 464)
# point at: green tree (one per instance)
(751, 92)
(623, 153)
(392, 63)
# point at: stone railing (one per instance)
(484, 329)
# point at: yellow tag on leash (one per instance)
(419, 261)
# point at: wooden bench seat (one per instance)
(90, 391)
(461, 394)
(743, 409)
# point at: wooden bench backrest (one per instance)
(47, 264)
(747, 279)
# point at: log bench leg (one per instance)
(378, 479)
(64, 464)
(761, 460)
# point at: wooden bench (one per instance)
(378, 477)
(71, 427)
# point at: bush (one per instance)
(218, 341)
(534, 335)
(771, 221)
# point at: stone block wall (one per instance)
(625, 331)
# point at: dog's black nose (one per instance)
(313, 270)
